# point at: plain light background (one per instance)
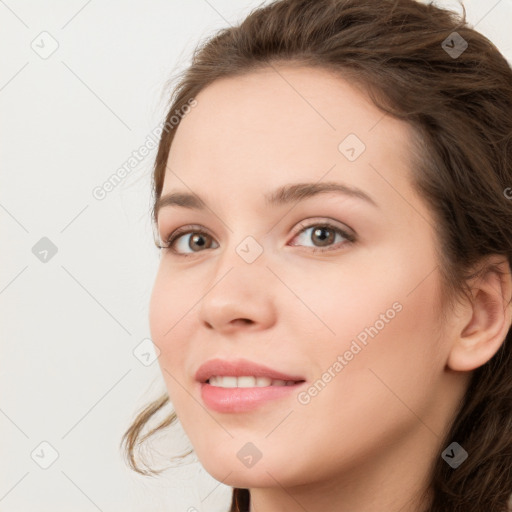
(74, 363)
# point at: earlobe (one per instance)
(481, 331)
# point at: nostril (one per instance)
(243, 320)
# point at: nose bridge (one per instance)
(242, 265)
(238, 287)
(245, 241)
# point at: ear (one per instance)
(484, 323)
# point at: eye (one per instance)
(197, 240)
(324, 235)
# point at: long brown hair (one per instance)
(459, 106)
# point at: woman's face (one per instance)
(357, 320)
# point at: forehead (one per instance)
(257, 131)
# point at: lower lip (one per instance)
(242, 399)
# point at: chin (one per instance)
(244, 478)
(235, 472)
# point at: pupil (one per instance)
(195, 240)
(324, 241)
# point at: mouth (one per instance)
(230, 394)
(242, 373)
(241, 385)
(248, 381)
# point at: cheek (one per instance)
(168, 322)
(169, 311)
(347, 306)
(385, 383)
(387, 333)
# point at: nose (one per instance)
(239, 298)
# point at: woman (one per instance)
(333, 301)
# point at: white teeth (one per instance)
(260, 381)
(247, 382)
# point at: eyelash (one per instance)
(186, 230)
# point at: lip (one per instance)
(239, 368)
(233, 400)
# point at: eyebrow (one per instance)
(281, 196)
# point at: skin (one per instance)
(367, 440)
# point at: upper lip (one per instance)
(238, 368)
